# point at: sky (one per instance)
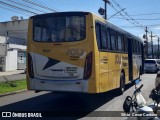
(141, 12)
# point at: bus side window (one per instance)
(137, 46)
(103, 37)
(119, 42)
(108, 38)
(112, 40)
(126, 44)
(140, 48)
(133, 46)
(98, 35)
(123, 44)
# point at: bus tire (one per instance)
(122, 84)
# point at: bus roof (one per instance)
(61, 13)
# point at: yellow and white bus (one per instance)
(80, 52)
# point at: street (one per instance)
(50, 101)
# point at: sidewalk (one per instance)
(12, 75)
(11, 72)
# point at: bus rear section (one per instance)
(60, 54)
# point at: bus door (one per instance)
(104, 72)
(130, 58)
(101, 34)
(112, 60)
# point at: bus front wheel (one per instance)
(122, 84)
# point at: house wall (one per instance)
(11, 60)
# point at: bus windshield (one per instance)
(59, 29)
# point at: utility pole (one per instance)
(152, 44)
(105, 15)
(146, 42)
(6, 43)
(105, 6)
(158, 47)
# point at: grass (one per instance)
(12, 86)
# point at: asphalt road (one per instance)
(71, 103)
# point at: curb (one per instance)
(12, 93)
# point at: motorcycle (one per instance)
(136, 107)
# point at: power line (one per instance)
(21, 7)
(129, 18)
(25, 5)
(125, 16)
(134, 22)
(44, 4)
(39, 5)
(153, 25)
(143, 14)
(15, 7)
(13, 10)
(139, 18)
(130, 26)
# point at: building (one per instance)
(15, 31)
(13, 40)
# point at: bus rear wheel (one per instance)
(122, 84)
